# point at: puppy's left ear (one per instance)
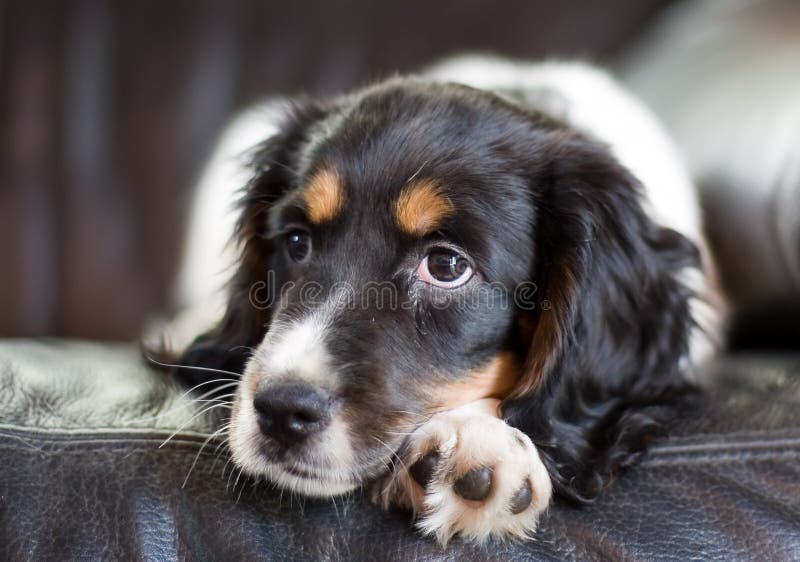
(228, 345)
(613, 321)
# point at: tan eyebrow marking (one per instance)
(323, 196)
(421, 207)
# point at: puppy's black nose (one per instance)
(291, 412)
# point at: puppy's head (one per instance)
(392, 243)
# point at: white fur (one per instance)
(468, 437)
(299, 349)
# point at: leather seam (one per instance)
(664, 454)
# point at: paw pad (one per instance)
(474, 485)
(521, 499)
(422, 470)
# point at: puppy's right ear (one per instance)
(273, 164)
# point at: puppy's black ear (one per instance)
(227, 346)
(612, 325)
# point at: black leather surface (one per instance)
(725, 486)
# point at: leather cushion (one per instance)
(724, 486)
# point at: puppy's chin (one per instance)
(311, 487)
(249, 454)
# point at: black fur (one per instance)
(620, 318)
(537, 202)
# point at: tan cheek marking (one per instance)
(495, 379)
(421, 208)
(323, 196)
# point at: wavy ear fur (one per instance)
(228, 345)
(613, 323)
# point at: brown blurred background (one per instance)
(108, 109)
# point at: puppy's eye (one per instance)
(445, 268)
(298, 246)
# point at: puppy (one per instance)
(469, 289)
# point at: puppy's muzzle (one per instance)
(289, 413)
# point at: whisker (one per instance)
(190, 420)
(386, 464)
(224, 398)
(217, 453)
(415, 174)
(235, 484)
(230, 477)
(224, 468)
(393, 454)
(227, 427)
(197, 456)
(177, 407)
(336, 509)
(400, 434)
(229, 382)
(412, 414)
(192, 367)
(202, 397)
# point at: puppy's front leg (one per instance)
(465, 471)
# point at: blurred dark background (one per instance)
(108, 109)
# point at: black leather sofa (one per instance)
(85, 475)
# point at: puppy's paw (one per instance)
(467, 472)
